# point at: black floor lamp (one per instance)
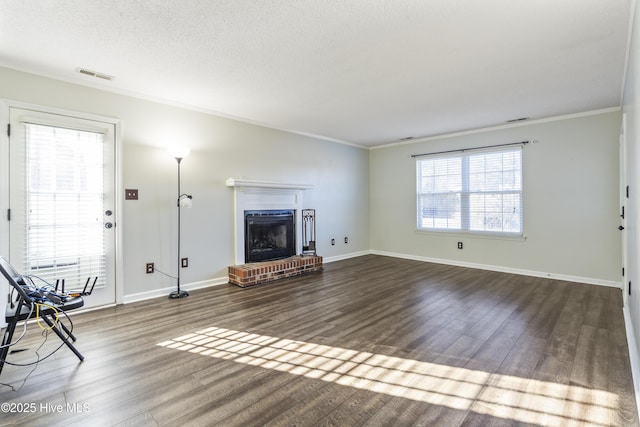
(184, 200)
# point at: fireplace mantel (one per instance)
(264, 195)
(234, 182)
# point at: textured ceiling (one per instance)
(366, 72)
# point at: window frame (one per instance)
(464, 193)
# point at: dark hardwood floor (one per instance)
(369, 341)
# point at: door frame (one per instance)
(624, 181)
(5, 106)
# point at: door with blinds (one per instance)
(62, 210)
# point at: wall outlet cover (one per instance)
(131, 194)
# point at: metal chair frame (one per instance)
(29, 304)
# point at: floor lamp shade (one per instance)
(185, 201)
(179, 152)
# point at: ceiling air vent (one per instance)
(94, 74)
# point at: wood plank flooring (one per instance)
(372, 340)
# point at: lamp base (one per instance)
(178, 294)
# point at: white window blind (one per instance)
(63, 202)
(477, 191)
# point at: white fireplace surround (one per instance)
(264, 195)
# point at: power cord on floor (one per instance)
(45, 333)
(35, 364)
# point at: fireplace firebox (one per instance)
(269, 235)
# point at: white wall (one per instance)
(221, 148)
(570, 201)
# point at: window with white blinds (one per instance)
(476, 191)
(63, 201)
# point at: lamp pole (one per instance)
(178, 293)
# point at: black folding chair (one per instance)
(30, 302)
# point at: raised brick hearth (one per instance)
(261, 272)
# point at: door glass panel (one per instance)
(64, 205)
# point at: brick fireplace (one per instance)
(268, 215)
(251, 274)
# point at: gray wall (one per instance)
(221, 148)
(570, 202)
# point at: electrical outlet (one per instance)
(346, 240)
(459, 245)
(150, 267)
(185, 262)
(333, 242)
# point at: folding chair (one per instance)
(31, 302)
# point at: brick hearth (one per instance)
(261, 272)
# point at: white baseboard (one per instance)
(327, 260)
(634, 357)
(141, 296)
(533, 273)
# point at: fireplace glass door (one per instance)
(269, 235)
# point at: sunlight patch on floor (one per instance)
(519, 399)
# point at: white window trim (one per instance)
(462, 232)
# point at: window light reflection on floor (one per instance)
(504, 396)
